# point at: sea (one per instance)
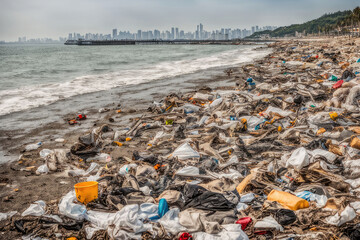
(40, 83)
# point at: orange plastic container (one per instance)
(288, 200)
(86, 191)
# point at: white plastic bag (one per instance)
(330, 157)
(4, 216)
(125, 169)
(43, 153)
(42, 169)
(298, 159)
(279, 111)
(33, 146)
(35, 209)
(216, 103)
(241, 206)
(184, 152)
(230, 231)
(233, 160)
(170, 221)
(247, 198)
(188, 171)
(269, 222)
(102, 157)
(191, 108)
(345, 216)
(70, 209)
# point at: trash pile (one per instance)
(274, 157)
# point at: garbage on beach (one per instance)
(274, 156)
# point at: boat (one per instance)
(71, 42)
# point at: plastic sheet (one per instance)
(268, 222)
(35, 209)
(298, 159)
(184, 152)
(70, 209)
(345, 216)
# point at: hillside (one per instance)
(324, 23)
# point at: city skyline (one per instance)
(172, 33)
(51, 19)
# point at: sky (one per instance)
(54, 18)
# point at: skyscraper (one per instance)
(176, 33)
(114, 33)
(201, 32)
(138, 36)
(172, 33)
(197, 34)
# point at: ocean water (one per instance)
(39, 75)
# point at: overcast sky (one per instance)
(54, 18)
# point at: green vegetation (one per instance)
(339, 21)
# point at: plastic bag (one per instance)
(269, 222)
(247, 198)
(232, 174)
(4, 216)
(216, 103)
(125, 169)
(43, 153)
(129, 218)
(241, 206)
(330, 157)
(345, 216)
(33, 146)
(230, 231)
(309, 196)
(298, 159)
(35, 209)
(102, 157)
(190, 108)
(42, 169)
(188, 171)
(184, 152)
(100, 219)
(70, 209)
(233, 160)
(279, 111)
(285, 216)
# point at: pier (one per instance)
(167, 42)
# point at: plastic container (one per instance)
(288, 200)
(86, 191)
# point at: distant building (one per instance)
(176, 33)
(172, 33)
(114, 33)
(157, 34)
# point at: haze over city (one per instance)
(54, 19)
